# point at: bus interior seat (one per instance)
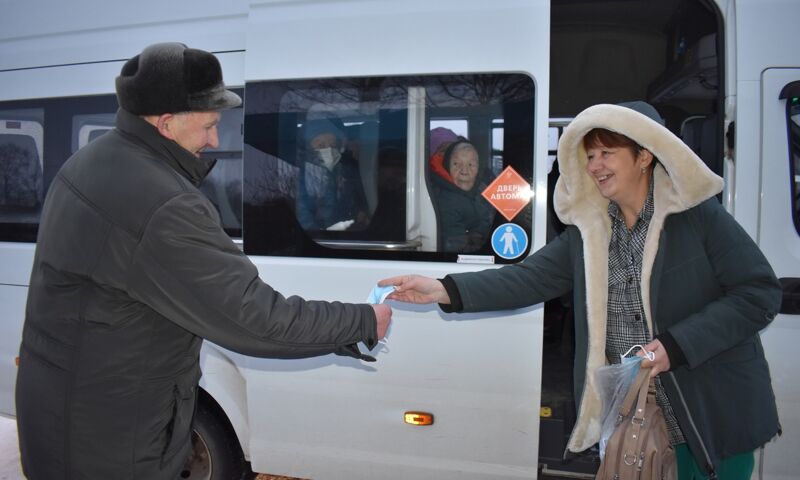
(18, 154)
(699, 133)
(432, 180)
(366, 134)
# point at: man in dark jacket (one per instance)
(132, 270)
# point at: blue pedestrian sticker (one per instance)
(509, 241)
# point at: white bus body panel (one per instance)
(780, 242)
(765, 54)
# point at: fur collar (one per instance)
(681, 181)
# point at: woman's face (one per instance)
(617, 172)
(464, 168)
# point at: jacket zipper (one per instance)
(712, 474)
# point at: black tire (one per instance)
(216, 454)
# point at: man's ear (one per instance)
(163, 123)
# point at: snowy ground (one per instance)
(9, 450)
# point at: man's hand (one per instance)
(661, 362)
(416, 289)
(383, 317)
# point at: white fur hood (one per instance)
(681, 182)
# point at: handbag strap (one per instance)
(632, 441)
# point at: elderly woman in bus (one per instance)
(652, 258)
(458, 178)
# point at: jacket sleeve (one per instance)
(750, 292)
(188, 270)
(546, 274)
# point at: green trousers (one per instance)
(737, 467)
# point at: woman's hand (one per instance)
(660, 362)
(416, 289)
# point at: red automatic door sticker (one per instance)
(508, 193)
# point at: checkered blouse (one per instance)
(626, 316)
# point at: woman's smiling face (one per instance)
(618, 171)
(614, 170)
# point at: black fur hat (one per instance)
(173, 78)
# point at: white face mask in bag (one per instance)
(330, 156)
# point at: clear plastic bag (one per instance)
(613, 382)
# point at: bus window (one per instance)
(457, 126)
(342, 167)
(223, 185)
(26, 168)
(86, 128)
(793, 128)
(497, 146)
(21, 165)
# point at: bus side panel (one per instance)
(333, 417)
(767, 59)
(12, 297)
(780, 241)
(14, 277)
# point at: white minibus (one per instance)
(473, 396)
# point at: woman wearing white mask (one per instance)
(330, 194)
(652, 258)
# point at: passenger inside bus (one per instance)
(330, 194)
(457, 179)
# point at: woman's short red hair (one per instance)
(607, 138)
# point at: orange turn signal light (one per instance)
(418, 418)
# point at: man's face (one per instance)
(195, 131)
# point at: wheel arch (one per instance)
(223, 389)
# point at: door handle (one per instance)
(790, 304)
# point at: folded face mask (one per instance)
(379, 294)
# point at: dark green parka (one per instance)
(704, 282)
(132, 270)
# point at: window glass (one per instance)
(21, 165)
(86, 128)
(793, 123)
(497, 146)
(457, 126)
(38, 136)
(223, 185)
(383, 167)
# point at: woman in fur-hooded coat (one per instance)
(706, 290)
